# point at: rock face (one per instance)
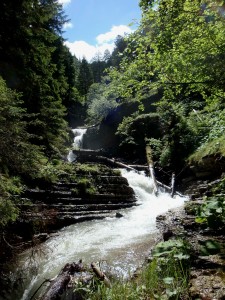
(66, 203)
(211, 166)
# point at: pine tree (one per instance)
(85, 77)
(31, 33)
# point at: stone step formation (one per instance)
(64, 203)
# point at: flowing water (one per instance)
(123, 242)
(77, 142)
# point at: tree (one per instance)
(177, 49)
(97, 66)
(120, 46)
(187, 39)
(106, 56)
(27, 64)
(85, 77)
(101, 100)
(17, 154)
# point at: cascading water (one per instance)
(77, 142)
(122, 242)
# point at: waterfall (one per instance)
(123, 242)
(77, 142)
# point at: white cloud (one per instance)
(67, 25)
(104, 41)
(82, 49)
(113, 33)
(64, 2)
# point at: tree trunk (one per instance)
(117, 163)
(59, 284)
(151, 168)
(172, 185)
(101, 275)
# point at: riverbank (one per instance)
(189, 260)
(207, 244)
(206, 261)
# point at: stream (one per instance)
(123, 242)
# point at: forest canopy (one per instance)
(178, 49)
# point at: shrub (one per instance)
(212, 212)
(10, 189)
(166, 277)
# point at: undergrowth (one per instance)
(212, 211)
(165, 277)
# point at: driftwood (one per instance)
(117, 163)
(87, 152)
(151, 168)
(101, 275)
(61, 282)
(67, 279)
(172, 185)
(45, 281)
(166, 187)
(98, 154)
(156, 184)
(139, 167)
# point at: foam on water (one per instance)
(123, 242)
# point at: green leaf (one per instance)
(168, 280)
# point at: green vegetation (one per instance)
(164, 83)
(85, 176)
(10, 188)
(212, 212)
(176, 58)
(86, 186)
(160, 55)
(165, 277)
(43, 90)
(100, 102)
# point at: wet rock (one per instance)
(119, 215)
(60, 206)
(207, 246)
(167, 234)
(208, 285)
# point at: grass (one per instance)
(165, 277)
(214, 148)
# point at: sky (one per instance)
(94, 24)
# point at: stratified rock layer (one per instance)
(64, 204)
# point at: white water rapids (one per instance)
(77, 142)
(122, 242)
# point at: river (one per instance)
(123, 242)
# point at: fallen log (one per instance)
(113, 162)
(156, 183)
(45, 281)
(87, 152)
(61, 282)
(97, 154)
(151, 168)
(139, 167)
(101, 275)
(117, 163)
(166, 187)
